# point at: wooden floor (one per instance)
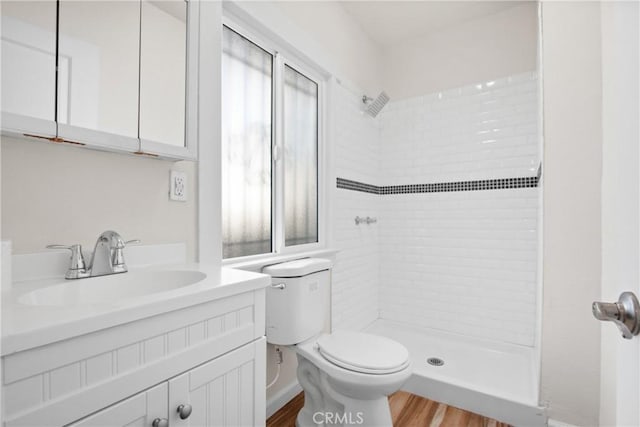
(407, 410)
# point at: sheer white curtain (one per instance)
(246, 147)
(301, 158)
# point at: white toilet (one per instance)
(346, 376)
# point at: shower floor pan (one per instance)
(493, 379)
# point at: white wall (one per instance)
(55, 193)
(209, 207)
(620, 376)
(572, 85)
(496, 45)
(462, 261)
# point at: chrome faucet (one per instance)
(107, 258)
(107, 255)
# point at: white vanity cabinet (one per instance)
(224, 392)
(139, 410)
(221, 392)
(210, 356)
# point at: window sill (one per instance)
(258, 264)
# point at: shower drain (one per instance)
(435, 361)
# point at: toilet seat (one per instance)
(364, 353)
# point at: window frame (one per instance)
(284, 56)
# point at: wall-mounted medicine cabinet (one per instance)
(116, 76)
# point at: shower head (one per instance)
(374, 106)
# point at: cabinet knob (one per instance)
(160, 422)
(184, 411)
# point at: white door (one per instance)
(620, 358)
(139, 410)
(227, 391)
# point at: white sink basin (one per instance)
(112, 288)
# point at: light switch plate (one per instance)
(178, 186)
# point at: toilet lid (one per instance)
(366, 353)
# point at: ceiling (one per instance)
(390, 22)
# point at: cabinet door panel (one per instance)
(28, 66)
(139, 410)
(163, 53)
(169, 69)
(228, 391)
(99, 65)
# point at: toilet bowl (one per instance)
(359, 365)
(346, 376)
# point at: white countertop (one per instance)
(27, 326)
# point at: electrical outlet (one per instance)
(178, 186)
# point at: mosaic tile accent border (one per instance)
(357, 186)
(441, 187)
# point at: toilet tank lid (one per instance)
(297, 268)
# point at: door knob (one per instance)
(160, 422)
(184, 411)
(625, 313)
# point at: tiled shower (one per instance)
(453, 181)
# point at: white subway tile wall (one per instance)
(464, 262)
(461, 262)
(355, 156)
(482, 131)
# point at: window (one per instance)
(300, 158)
(270, 146)
(247, 81)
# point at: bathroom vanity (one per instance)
(190, 355)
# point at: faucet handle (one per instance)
(60, 246)
(117, 259)
(121, 244)
(77, 266)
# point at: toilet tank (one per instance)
(297, 300)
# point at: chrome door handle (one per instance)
(625, 313)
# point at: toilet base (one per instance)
(325, 406)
